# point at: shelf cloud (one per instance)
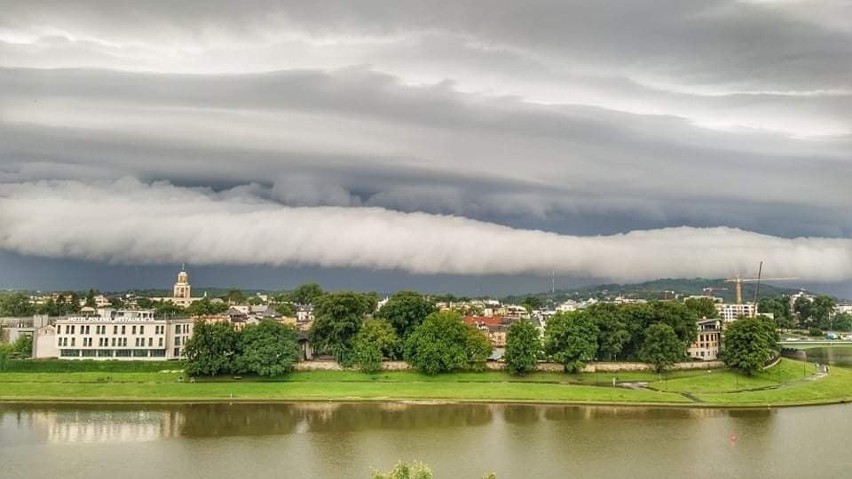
(131, 222)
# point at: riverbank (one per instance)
(790, 383)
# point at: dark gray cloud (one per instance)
(570, 117)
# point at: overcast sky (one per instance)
(468, 146)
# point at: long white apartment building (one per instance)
(731, 311)
(115, 334)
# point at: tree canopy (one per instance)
(405, 310)
(523, 345)
(443, 343)
(702, 307)
(662, 347)
(749, 344)
(376, 339)
(211, 350)
(305, 294)
(337, 319)
(571, 339)
(268, 348)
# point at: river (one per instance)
(323, 440)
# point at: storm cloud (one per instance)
(718, 131)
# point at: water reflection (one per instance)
(343, 440)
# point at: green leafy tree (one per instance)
(749, 344)
(681, 319)
(779, 308)
(444, 343)
(523, 345)
(402, 470)
(16, 304)
(614, 333)
(802, 308)
(337, 319)
(662, 347)
(571, 339)
(477, 347)
(23, 346)
(702, 307)
(90, 299)
(234, 296)
(211, 350)
(268, 348)
(405, 310)
(285, 309)
(205, 307)
(822, 310)
(168, 309)
(415, 470)
(376, 339)
(843, 322)
(305, 294)
(531, 303)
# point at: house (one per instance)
(709, 341)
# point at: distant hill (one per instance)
(659, 289)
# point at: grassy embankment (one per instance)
(789, 383)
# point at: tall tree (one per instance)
(444, 343)
(376, 339)
(702, 307)
(822, 311)
(16, 304)
(268, 348)
(571, 339)
(750, 343)
(681, 319)
(90, 299)
(802, 308)
(305, 294)
(405, 310)
(211, 350)
(205, 307)
(614, 333)
(662, 347)
(337, 319)
(523, 345)
(234, 296)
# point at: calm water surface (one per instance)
(458, 441)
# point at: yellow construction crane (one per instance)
(739, 280)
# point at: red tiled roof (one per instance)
(480, 320)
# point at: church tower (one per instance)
(182, 288)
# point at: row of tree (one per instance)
(267, 348)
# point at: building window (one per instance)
(58, 329)
(177, 352)
(123, 329)
(115, 329)
(141, 329)
(150, 342)
(73, 340)
(177, 329)
(160, 342)
(133, 329)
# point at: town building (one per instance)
(709, 341)
(731, 312)
(181, 292)
(117, 334)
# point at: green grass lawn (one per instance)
(779, 385)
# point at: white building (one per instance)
(730, 312)
(122, 335)
(708, 342)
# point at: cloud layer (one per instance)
(130, 222)
(716, 132)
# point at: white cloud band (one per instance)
(131, 222)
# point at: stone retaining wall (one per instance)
(498, 366)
